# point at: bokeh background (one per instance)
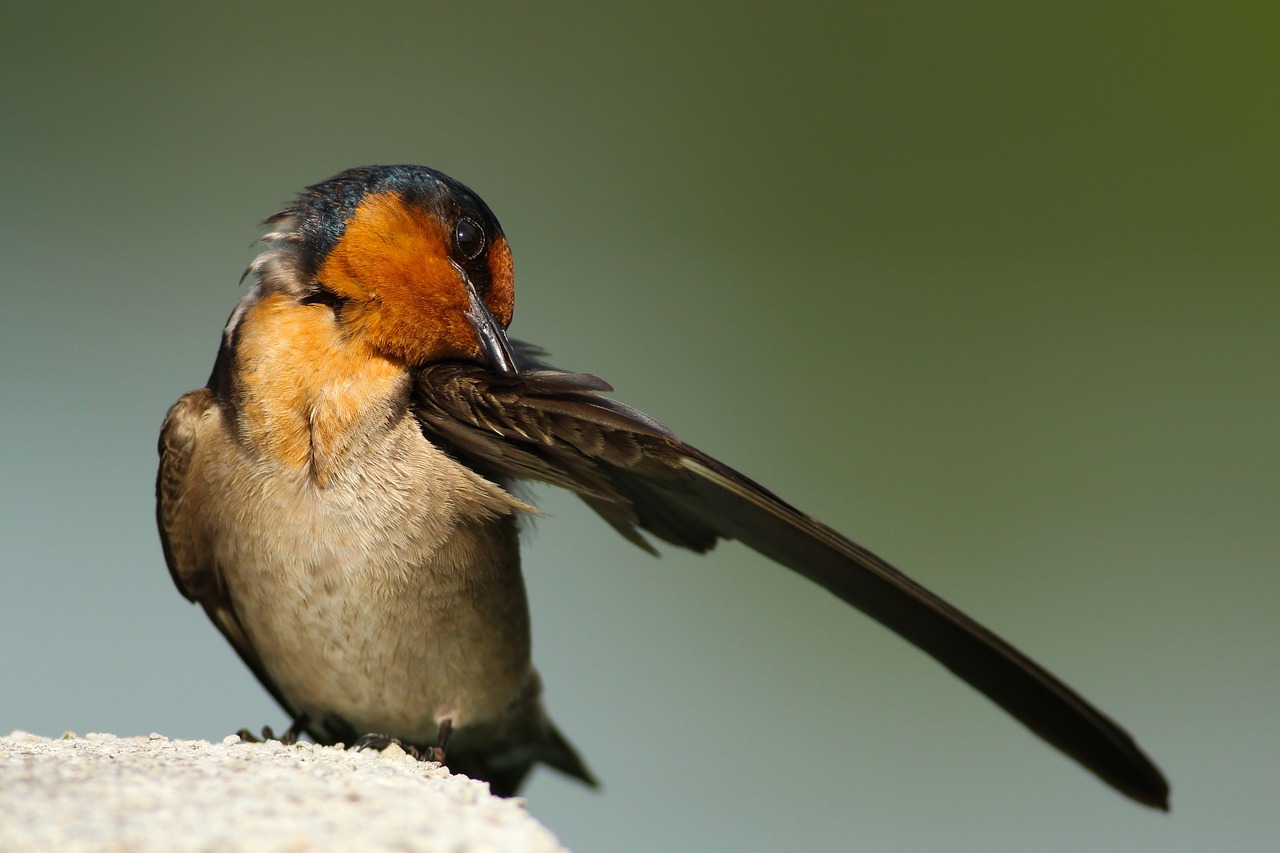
(993, 291)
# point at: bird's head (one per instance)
(413, 263)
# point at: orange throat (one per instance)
(307, 391)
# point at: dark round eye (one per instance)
(468, 239)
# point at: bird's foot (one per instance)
(380, 742)
(434, 753)
(442, 740)
(288, 738)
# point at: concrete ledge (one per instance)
(103, 792)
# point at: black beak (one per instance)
(492, 337)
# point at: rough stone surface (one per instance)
(103, 792)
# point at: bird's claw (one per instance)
(381, 742)
(288, 738)
(432, 753)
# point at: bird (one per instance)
(344, 497)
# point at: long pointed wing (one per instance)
(551, 426)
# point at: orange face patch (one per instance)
(402, 292)
(501, 296)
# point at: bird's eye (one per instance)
(468, 239)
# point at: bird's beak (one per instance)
(493, 338)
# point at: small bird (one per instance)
(340, 497)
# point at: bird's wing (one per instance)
(187, 549)
(552, 426)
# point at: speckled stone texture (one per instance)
(103, 792)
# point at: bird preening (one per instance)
(338, 497)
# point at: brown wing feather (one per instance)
(189, 566)
(552, 427)
(186, 548)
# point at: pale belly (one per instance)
(391, 598)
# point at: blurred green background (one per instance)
(993, 291)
